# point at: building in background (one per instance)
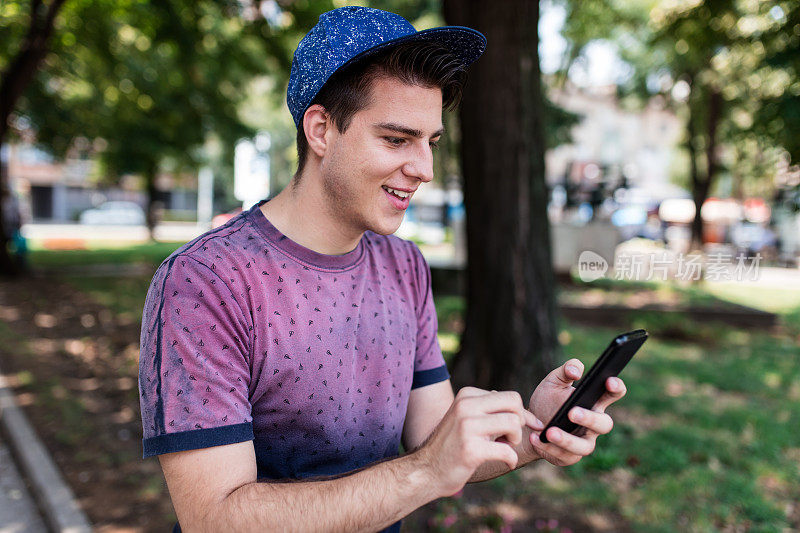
(51, 190)
(613, 146)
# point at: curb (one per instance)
(55, 499)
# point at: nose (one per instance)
(420, 165)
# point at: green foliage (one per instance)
(727, 68)
(14, 20)
(169, 84)
(154, 80)
(616, 21)
(779, 114)
(558, 123)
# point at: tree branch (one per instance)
(23, 66)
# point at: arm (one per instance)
(215, 489)
(426, 408)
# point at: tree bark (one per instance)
(151, 216)
(701, 183)
(697, 182)
(17, 76)
(22, 68)
(510, 339)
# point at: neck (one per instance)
(303, 213)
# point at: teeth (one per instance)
(401, 194)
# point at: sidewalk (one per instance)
(18, 512)
(58, 509)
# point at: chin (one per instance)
(387, 227)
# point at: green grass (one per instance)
(48, 393)
(152, 253)
(707, 428)
(449, 311)
(706, 438)
(124, 295)
(771, 299)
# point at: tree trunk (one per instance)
(8, 267)
(510, 339)
(16, 77)
(152, 212)
(701, 184)
(23, 66)
(697, 182)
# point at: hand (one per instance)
(465, 438)
(564, 448)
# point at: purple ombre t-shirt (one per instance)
(247, 335)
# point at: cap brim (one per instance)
(465, 43)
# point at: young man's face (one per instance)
(388, 144)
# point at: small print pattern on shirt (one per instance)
(247, 335)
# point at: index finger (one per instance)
(470, 392)
(498, 402)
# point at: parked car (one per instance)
(114, 213)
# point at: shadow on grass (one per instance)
(73, 365)
(706, 436)
(704, 440)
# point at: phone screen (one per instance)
(592, 386)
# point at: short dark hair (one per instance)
(347, 91)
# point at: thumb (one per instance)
(564, 375)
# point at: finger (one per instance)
(552, 452)
(471, 392)
(497, 451)
(615, 389)
(571, 444)
(497, 402)
(564, 375)
(600, 423)
(532, 422)
(498, 425)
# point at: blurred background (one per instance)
(670, 194)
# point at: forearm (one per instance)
(367, 500)
(493, 469)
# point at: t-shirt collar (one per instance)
(298, 251)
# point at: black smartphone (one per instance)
(591, 387)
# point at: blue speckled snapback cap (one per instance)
(348, 33)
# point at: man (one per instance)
(298, 341)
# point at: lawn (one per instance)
(150, 253)
(706, 438)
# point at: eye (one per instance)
(434, 144)
(396, 141)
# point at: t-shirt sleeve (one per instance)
(194, 363)
(429, 364)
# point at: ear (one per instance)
(316, 124)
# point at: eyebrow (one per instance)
(399, 128)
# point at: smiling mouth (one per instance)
(399, 194)
(397, 202)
